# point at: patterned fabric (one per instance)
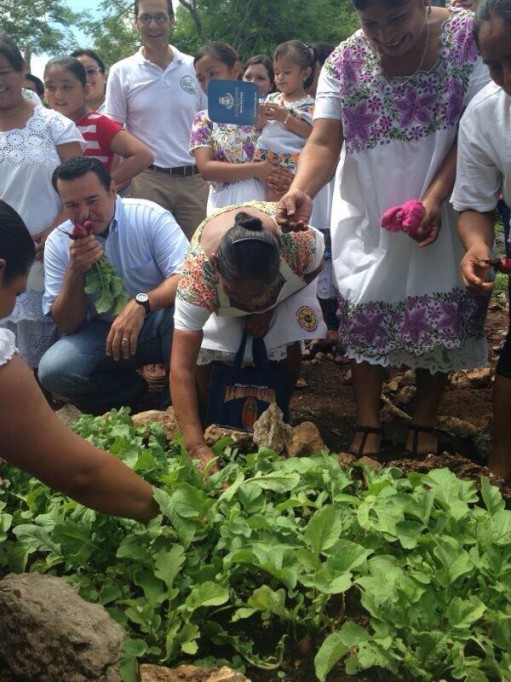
(377, 110)
(230, 143)
(7, 346)
(198, 287)
(278, 144)
(98, 132)
(399, 304)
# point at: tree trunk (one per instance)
(27, 56)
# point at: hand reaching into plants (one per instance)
(204, 455)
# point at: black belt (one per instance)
(182, 171)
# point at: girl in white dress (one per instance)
(224, 153)
(287, 114)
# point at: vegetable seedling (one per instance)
(102, 279)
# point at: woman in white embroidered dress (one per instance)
(390, 97)
(32, 437)
(33, 142)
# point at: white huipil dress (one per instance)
(28, 157)
(399, 304)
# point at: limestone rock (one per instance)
(270, 430)
(458, 427)
(48, 633)
(68, 414)
(189, 673)
(242, 440)
(475, 378)
(405, 395)
(165, 419)
(305, 440)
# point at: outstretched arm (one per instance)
(44, 447)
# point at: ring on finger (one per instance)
(125, 338)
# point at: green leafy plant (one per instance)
(381, 571)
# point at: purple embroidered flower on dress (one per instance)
(368, 327)
(451, 318)
(248, 150)
(348, 67)
(415, 323)
(358, 122)
(455, 102)
(413, 106)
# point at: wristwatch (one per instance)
(143, 300)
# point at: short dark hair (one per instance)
(17, 247)
(265, 61)
(218, 50)
(71, 64)
(248, 252)
(302, 54)
(39, 85)
(170, 8)
(79, 166)
(93, 55)
(11, 52)
(488, 9)
(322, 50)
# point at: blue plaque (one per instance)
(233, 102)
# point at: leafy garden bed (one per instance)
(279, 563)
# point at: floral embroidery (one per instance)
(377, 110)
(230, 143)
(417, 325)
(198, 286)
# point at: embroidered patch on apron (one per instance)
(307, 318)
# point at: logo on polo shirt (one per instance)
(189, 85)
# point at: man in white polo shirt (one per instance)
(155, 94)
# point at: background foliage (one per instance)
(250, 26)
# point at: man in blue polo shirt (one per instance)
(94, 364)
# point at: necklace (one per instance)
(405, 79)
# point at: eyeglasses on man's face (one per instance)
(160, 19)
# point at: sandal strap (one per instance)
(366, 431)
(417, 429)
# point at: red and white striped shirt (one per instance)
(98, 132)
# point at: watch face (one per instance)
(143, 300)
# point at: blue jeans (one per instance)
(78, 369)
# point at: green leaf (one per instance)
(270, 601)
(462, 613)
(206, 594)
(323, 530)
(491, 496)
(274, 481)
(330, 653)
(168, 564)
